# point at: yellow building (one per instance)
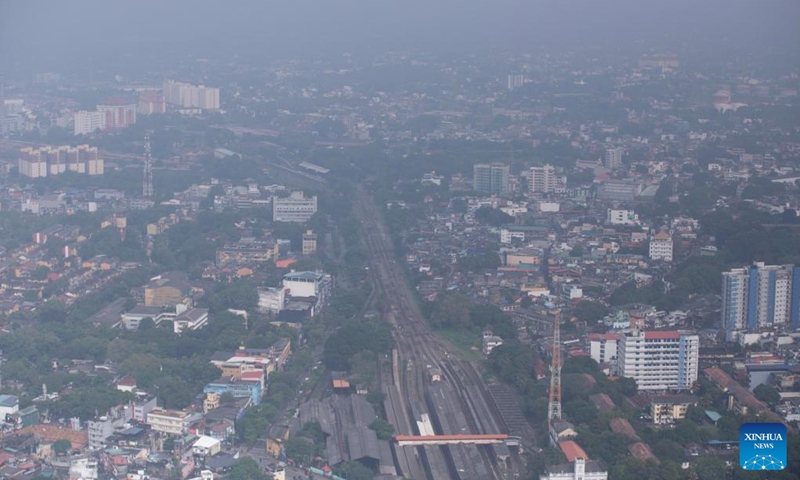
(668, 409)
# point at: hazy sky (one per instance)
(44, 31)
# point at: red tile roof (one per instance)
(51, 433)
(642, 451)
(572, 450)
(662, 335)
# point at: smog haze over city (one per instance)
(411, 240)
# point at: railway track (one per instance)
(419, 350)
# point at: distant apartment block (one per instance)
(515, 81)
(613, 158)
(48, 161)
(661, 247)
(659, 60)
(294, 208)
(659, 360)
(760, 296)
(150, 102)
(185, 95)
(542, 179)
(118, 112)
(86, 122)
(490, 178)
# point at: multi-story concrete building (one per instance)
(142, 407)
(9, 404)
(85, 122)
(667, 409)
(624, 190)
(304, 284)
(238, 388)
(621, 217)
(542, 179)
(192, 319)
(294, 208)
(46, 161)
(102, 428)
(271, 299)
(613, 158)
(119, 113)
(602, 347)
(760, 296)
(515, 80)
(173, 422)
(659, 360)
(309, 242)
(491, 178)
(247, 251)
(150, 101)
(661, 247)
(32, 163)
(186, 95)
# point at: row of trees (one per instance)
(457, 311)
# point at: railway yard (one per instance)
(429, 392)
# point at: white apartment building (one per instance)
(186, 95)
(118, 113)
(88, 122)
(760, 296)
(613, 158)
(580, 469)
(621, 217)
(515, 81)
(294, 208)
(661, 247)
(303, 284)
(33, 167)
(45, 161)
(659, 360)
(173, 422)
(542, 179)
(602, 347)
(271, 299)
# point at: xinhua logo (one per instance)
(762, 446)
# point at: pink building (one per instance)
(119, 113)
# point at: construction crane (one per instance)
(554, 405)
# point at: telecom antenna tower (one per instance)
(147, 183)
(554, 405)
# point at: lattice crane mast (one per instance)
(554, 405)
